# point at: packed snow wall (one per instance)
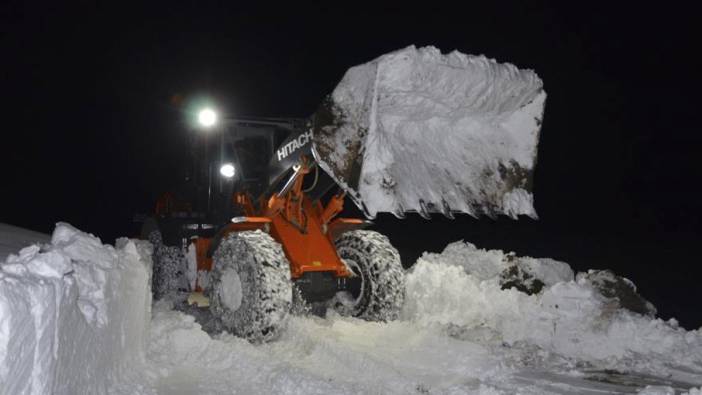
(74, 314)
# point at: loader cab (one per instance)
(263, 153)
(248, 145)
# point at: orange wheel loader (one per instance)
(263, 226)
(412, 131)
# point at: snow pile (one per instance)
(73, 314)
(461, 289)
(417, 130)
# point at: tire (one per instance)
(169, 265)
(377, 292)
(250, 289)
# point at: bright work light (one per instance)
(227, 170)
(207, 117)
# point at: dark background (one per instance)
(93, 133)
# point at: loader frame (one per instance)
(306, 229)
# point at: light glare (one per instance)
(227, 170)
(207, 117)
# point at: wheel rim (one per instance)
(230, 292)
(354, 285)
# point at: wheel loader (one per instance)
(413, 131)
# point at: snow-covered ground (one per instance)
(459, 332)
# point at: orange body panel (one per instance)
(310, 250)
(249, 223)
(341, 225)
(306, 242)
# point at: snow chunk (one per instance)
(477, 262)
(548, 270)
(620, 289)
(82, 247)
(47, 264)
(657, 390)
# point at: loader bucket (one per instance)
(418, 131)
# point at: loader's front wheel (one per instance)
(250, 289)
(376, 292)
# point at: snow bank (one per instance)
(73, 314)
(461, 289)
(13, 239)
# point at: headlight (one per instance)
(207, 117)
(227, 170)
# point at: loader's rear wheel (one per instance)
(377, 291)
(250, 289)
(169, 265)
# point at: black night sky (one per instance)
(93, 131)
